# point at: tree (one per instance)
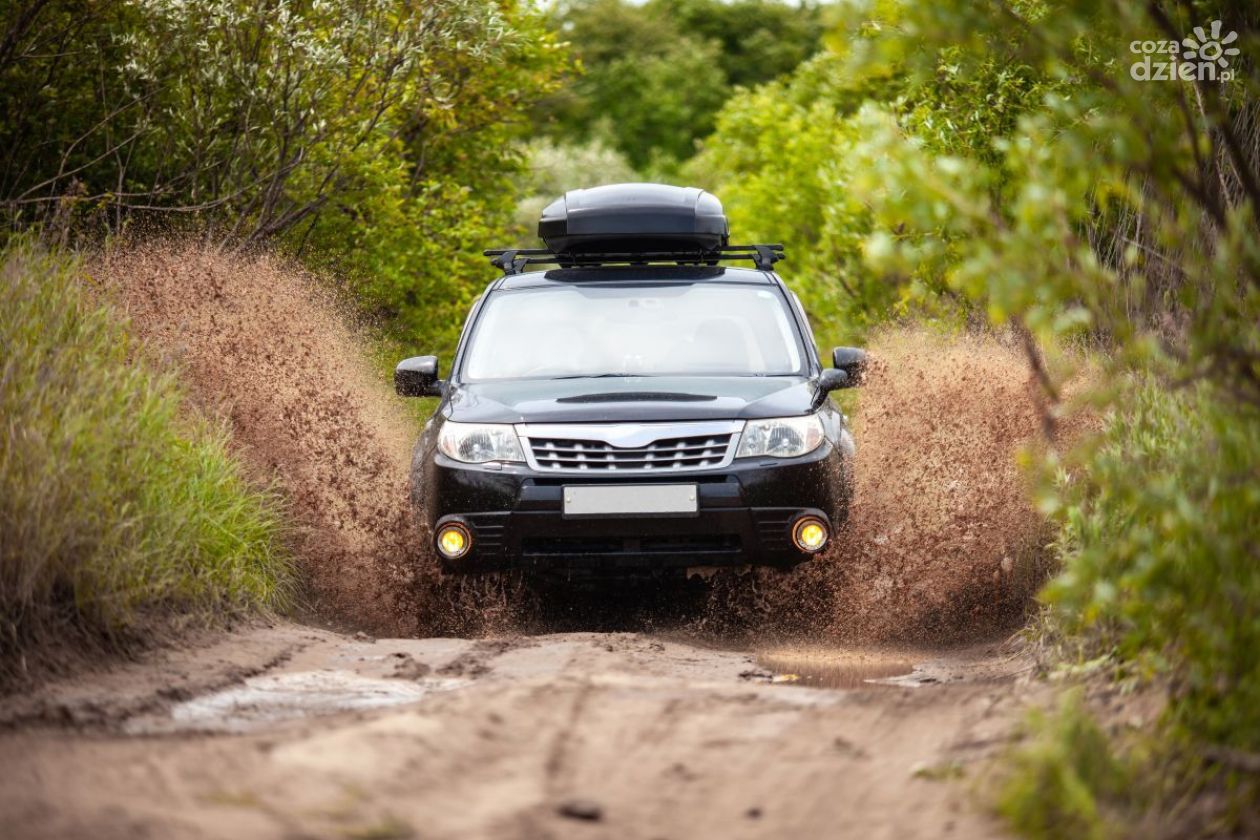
(653, 76)
(374, 134)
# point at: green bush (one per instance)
(654, 74)
(113, 501)
(1060, 772)
(1158, 546)
(1159, 581)
(373, 138)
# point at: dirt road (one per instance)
(289, 731)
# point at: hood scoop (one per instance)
(637, 396)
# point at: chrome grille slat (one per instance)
(579, 448)
(591, 447)
(617, 458)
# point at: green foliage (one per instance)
(375, 135)
(1159, 552)
(1058, 777)
(758, 40)
(653, 75)
(554, 168)
(1093, 210)
(113, 501)
(801, 161)
(999, 162)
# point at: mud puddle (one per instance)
(264, 701)
(836, 671)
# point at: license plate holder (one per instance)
(630, 500)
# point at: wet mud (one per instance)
(942, 544)
(839, 669)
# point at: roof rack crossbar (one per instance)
(515, 260)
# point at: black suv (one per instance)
(639, 409)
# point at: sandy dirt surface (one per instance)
(290, 731)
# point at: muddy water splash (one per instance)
(944, 538)
(263, 344)
(943, 543)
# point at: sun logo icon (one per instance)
(1212, 47)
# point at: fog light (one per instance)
(809, 534)
(453, 540)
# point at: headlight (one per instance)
(476, 443)
(782, 437)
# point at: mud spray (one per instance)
(942, 543)
(266, 347)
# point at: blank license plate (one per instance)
(596, 500)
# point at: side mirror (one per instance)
(852, 361)
(418, 377)
(833, 380)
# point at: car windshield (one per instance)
(691, 329)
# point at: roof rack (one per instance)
(516, 260)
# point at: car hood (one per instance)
(631, 399)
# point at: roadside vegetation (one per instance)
(649, 78)
(1157, 595)
(974, 165)
(375, 137)
(994, 163)
(117, 506)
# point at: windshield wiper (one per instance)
(598, 376)
(637, 396)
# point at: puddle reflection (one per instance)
(822, 671)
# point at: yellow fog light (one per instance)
(809, 534)
(453, 541)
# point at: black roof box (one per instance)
(633, 218)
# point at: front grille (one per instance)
(679, 453)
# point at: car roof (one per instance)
(634, 273)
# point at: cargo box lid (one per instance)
(634, 218)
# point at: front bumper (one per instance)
(744, 517)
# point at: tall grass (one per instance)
(114, 502)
